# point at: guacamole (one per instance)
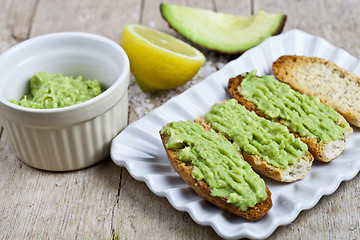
(217, 162)
(256, 135)
(48, 90)
(303, 114)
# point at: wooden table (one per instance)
(104, 201)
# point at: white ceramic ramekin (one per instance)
(72, 137)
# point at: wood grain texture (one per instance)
(22, 18)
(337, 22)
(38, 205)
(105, 17)
(104, 201)
(7, 24)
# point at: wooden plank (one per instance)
(234, 7)
(37, 204)
(8, 23)
(106, 18)
(22, 18)
(337, 22)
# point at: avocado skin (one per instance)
(281, 25)
(236, 49)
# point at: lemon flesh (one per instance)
(225, 33)
(157, 60)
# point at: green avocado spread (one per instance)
(49, 90)
(217, 162)
(256, 135)
(303, 114)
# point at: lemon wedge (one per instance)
(158, 60)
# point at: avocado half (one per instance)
(221, 32)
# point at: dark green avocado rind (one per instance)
(229, 39)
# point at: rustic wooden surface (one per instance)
(104, 201)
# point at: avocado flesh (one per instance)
(221, 32)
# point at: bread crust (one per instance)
(335, 86)
(202, 189)
(320, 151)
(294, 172)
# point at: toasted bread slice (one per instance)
(185, 170)
(292, 173)
(335, 86)
(321, 151)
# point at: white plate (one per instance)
(139, 148)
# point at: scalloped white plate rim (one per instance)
(144, 152)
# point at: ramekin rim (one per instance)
(120, 79)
